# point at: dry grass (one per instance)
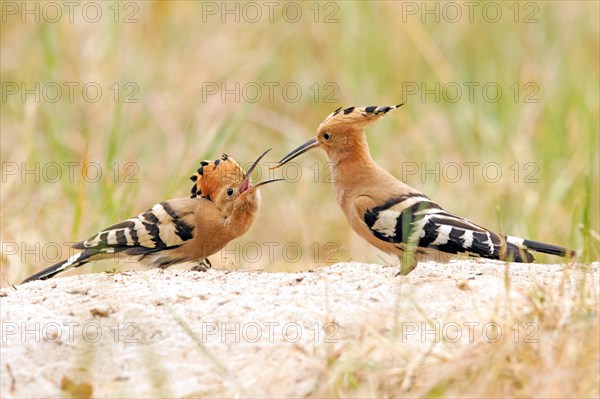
(484, 370)
(549, 349)
(371, 55)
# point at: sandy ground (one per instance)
(243, 333)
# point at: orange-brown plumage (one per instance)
(393, 216)
(222, 207)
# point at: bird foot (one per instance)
(161, 270)
(202, 266)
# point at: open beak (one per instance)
(262, 183)
(309, 145)
(246, 186)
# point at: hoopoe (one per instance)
(222, 207)
(393, 216)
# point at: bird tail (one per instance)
(518, 249)
(76, 260)
(517, 253)
(549, 249)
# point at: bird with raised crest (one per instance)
(393, 216)
(222, 207)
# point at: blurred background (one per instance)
(108, 107)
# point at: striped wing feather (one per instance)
(160, 227)
(415, 219)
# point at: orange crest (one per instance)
(355, 116)
(213, 175)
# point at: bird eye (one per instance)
(229, 192)
(326, 136)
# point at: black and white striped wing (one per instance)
(160, 227)
(414, 219)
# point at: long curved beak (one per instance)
(262, 183)
(245, 186)
(309, 145)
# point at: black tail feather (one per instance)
(75, 261)
(549, 249)
(46, 273)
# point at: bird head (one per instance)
(224, 182)
(340, 132)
